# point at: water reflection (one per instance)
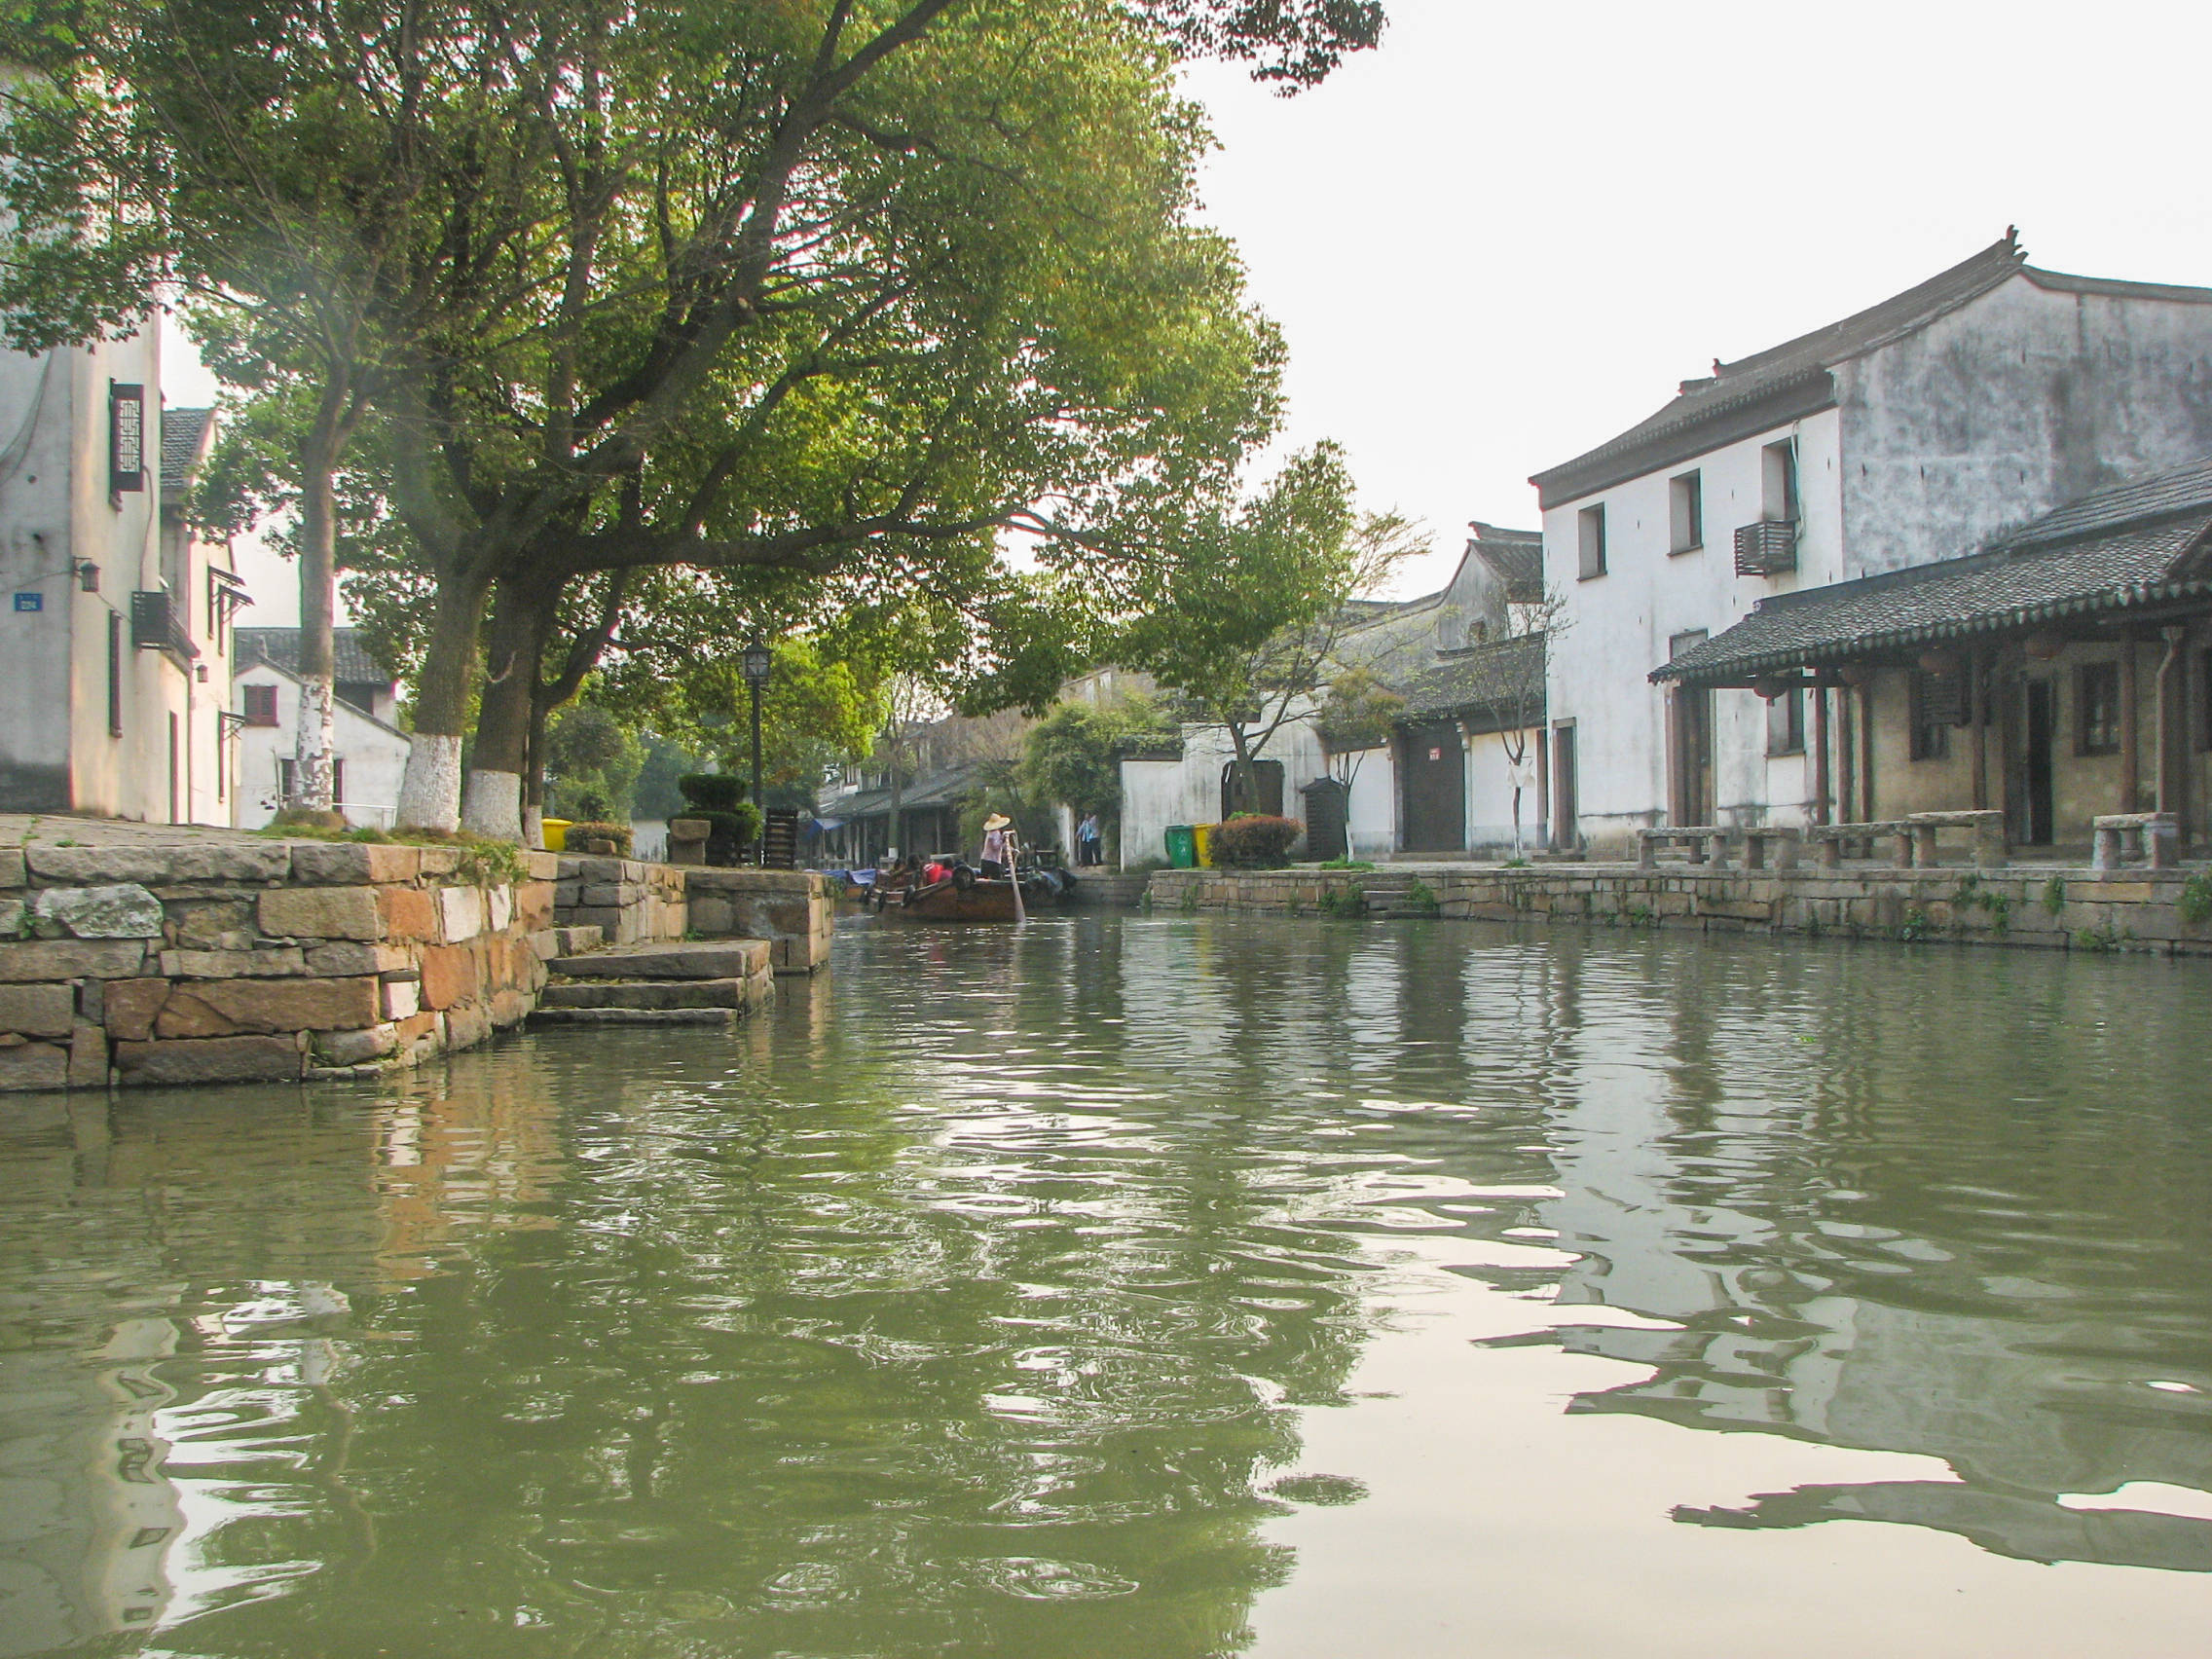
(982, 1299)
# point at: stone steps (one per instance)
(635, 1015)
(646, 994)
(670, 982)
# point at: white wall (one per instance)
(1619, 625)
(1155, 794)
(1490, 795)
(375, 757)
(1372, 812)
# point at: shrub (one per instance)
(582, 833)
(2194, 903)
(1254, 842)
(730, 832)
(711, 792)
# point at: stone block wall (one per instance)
(2038, 907)
(629, 902)
(222, 959)
(793, 909)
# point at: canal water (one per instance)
(1154, 1287)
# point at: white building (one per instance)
(371, 751)
(1914, 432)
(1443, 785)
(114, 636)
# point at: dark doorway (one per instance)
(1565, 834)
(1435, 789)
(1693, 755)
(2039, 810)
(1268, 775)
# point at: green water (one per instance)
(1154, 1287)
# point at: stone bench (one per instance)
(1697, 837)
(2158, 836)
(1990, 851)
(1915, 835)
(1832, 838)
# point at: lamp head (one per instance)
(757, 664)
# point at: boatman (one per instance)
(994, 846)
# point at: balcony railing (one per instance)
(155, 626)
(1768, 548)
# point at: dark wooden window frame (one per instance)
(2096, 708)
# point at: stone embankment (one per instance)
(212, 958)
(2056, 907)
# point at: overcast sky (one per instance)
(1512, 230)
(1509, 232)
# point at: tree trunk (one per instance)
(316, 741)
(429, 795)
(491, 798)
(534, 778)
(1247, 770)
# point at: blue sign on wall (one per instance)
(30, 602)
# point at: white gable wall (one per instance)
(1621, 623)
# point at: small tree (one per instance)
(1246, 634)
(1074, 754)
(1356, 717)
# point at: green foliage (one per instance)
(2193, 904)
(1915, 926)
(584, 833)
(712, 791)
(1357, 715)
(2054, 895)
(730, 831)
(2105, 940)
(490, 864)
(592, 761)
(1073, 755)
(1252, 841)
(1994, 901)
(1346, 863)
(1422, 898)
(1346, 903)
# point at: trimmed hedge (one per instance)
(712, 791)
(618, 834)
(1254, 842)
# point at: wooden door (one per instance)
(1435, 789)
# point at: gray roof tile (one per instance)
(183, 431)
(1490, 679)
(279, 648)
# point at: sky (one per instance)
(1510, 232)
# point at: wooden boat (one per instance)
(964, 895)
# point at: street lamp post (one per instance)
(757, 664)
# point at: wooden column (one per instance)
(1847, 756)
(1820, 695)
(2169, 726)
(2006, 697)
(2130, 764)
(1867, 750)
(1537, 741)
(1977, 711)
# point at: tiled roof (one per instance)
(183, 431)
(2010, 587)
(1505, 677)
(279, 648)
(2139, 500)
(1518, 555)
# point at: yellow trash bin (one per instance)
(556, 836)
(1202, 836)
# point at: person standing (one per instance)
(994, 860)
(1087, 849)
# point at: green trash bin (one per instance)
(1182, 846)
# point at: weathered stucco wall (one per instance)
(2011, 405)
(226, 960)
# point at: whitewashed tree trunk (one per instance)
(430, 793)
(491, 804)
(315, 746)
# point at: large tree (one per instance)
(290, 171)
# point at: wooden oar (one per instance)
(1014, 869)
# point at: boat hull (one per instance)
(950, 902)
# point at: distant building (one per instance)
(370, 756)
(1443, 784)
(1917, 430)
(114, 631)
